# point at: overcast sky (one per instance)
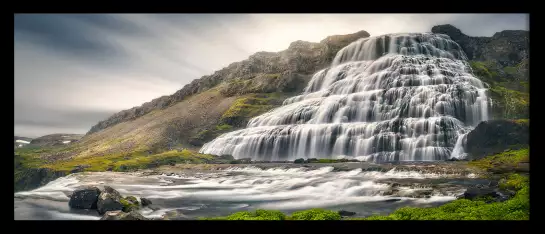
(72, 71)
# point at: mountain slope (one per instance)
(213, 104)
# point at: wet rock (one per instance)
(145, 201)
(79, 168)
(85, 198)
(120, 215)
(476, 193)
(109, 200)
(393, 200)
(495, 136)
(299, 160)
(346, 213)
(312, 160)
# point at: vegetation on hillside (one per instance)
(31, 170)
(504, 160)
(509, 88)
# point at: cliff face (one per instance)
(501, 61)
(263, 72)
(508, 48)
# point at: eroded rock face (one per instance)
(109, 200)
(507, 47)
(85, 198)
(495, 136)
(120, 215)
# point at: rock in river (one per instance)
(120, 215)
(145, 201)
(346, 213)
(109, 200)
(85, 198)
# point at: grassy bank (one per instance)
(31, 170)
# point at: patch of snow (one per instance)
(23, 142)
(66, 142)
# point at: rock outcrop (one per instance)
(85, 198)
(109, 200)
(495, 136)
(509, 47)
(55, 139)
(285, 71)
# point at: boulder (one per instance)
(495, 136)
(346, 213)
(299, 160)
(484, 193)
(145, 201)
(85, 198)
(120, 215)
(109, 200)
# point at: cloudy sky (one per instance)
(72, 71)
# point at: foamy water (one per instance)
(234, 189)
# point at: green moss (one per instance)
(223, 127)
(130, 161)
(510, 70)
(505, 159)
(128, 205)
(249, 106)
(512, 104)
(514, 182)
(480, 69)
(315, 214)
(257, 215)
(522, 121)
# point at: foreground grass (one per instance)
(516, 208)
(507, 159)
(30, 158)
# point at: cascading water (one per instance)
(398, 97)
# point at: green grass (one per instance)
(313, 214)
(130, 161)
(223, 127)
(505, 159)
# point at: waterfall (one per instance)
(396, 97)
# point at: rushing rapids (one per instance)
(398, 97)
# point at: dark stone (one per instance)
(312, 160)
(120, 215)
(346, 213)
(85, 198)
(475, 193)
(392, 200)
(109, 200)
(300, 160)
(79, 168)
(495, 136)
(145, 201)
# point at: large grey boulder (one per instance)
(85, 198)
(109, 200)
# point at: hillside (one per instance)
(213, 104)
